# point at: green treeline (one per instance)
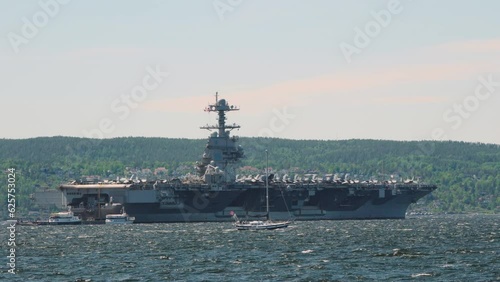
(467, 173)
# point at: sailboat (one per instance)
(267, 224)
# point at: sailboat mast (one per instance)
(267, 185)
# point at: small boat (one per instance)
(64, 218)
(260, 225)
(121, 218)
(267, 224)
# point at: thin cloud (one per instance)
(409, 100)
(471, 46)
(333, 87)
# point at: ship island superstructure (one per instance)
(216, 192)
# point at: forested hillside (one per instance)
(467, 174)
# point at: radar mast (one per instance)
(221, 152)
(221, 107)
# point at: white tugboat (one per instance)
(122, 218)
(64, 218)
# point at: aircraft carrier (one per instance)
(216, 192)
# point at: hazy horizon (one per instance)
(324, 70)
(325, 140)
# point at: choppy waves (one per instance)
(442, 248)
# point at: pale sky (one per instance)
(396, 70)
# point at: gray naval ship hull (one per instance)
(168, 202)
(304, 203)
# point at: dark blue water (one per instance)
(433, 248)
